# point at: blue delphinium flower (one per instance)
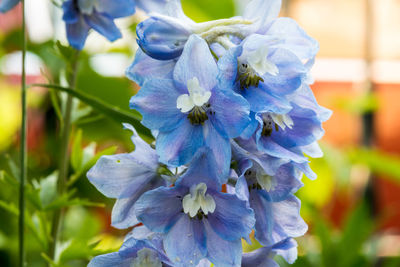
(269, 188)
(82, 15)
(197, 220)
(135, 252)
(191, 111)
(6, 5)
(126, 177)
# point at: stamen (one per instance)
(198, 115)
(247, 77)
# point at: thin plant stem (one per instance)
(24, 158)
(64, 157)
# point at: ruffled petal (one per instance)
(77, 33)
(159, 209)
(196, 61)
(121, 175)
(177, 147)
(231, 113)
(232, 219)
(221, 252)
(262, 12)
(156, 101)
(145, 68)
(185, 243)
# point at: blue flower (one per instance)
(263, 73)
(6, 5)
(191, 111)
(197, 220)
(135, 252)
(82, 15)
(269, 184)
(126, 177)
(264, 257)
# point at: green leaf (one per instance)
(66, 52)
(377, 161)
(76, 153)
(132, 117)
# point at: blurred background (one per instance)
(353, 208)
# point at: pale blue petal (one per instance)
(262, 12)
(221, 149)
(177, 147)
(222, 253)
(156, 101)
(262, 257)
(185, 243)
(196, 61)
(121, 175)
(232, 219)
(108, 260)
(231, 113)
(146, 68)
(116, 8)
(293, 38)
(159, 209)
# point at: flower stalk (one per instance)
(24, 158)
(64, 156)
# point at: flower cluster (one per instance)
(233, 116)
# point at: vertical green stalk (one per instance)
(24, 159)
(64, 156)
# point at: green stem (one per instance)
(24, 158)
(64, 158)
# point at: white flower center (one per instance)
(258, 60)
(267, 182)
(197, 199)
(146, 258)
(87, 6)
(282, 120)
(197, 97)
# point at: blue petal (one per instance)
(287, 249)
(251, 128)
(159, 209)
(196, 61)
(104, 25)
(111, 259)
(116, 8)
(202, 169)
(221, 252)
(123, 215)
(293, 38)
(232, 219)
(172, 8)
(291, 72)
(146, 68)
(227, 66)
(178, 146)
(162, 37)
(262, 99)
(231, 113)
(305, 98)
(121, 175)
(6, 5)
(287, 183)
(156, 101)
(221, 149)
(276, 221)
(71, 12)
(185, 243)
(262, 12)
(77, 33)
(262, 257)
